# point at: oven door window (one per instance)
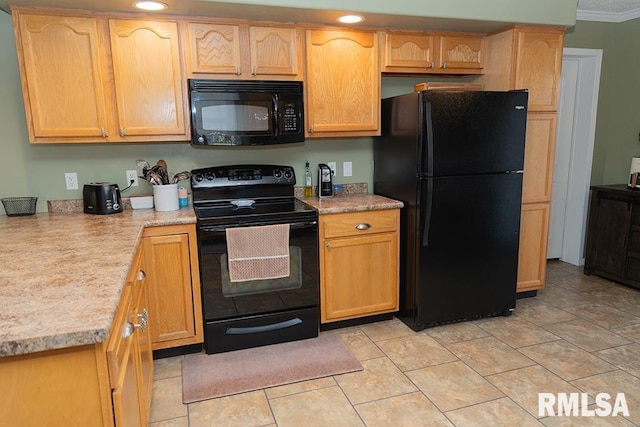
(293, 281)
(223, 299)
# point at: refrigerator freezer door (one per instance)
(470, 133)
(467, 256)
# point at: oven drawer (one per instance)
(358, 223)
(254, 331)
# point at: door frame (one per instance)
(581, 157)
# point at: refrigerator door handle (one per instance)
(428, 204)
(426, 159)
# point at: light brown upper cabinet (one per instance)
(51, 74)
(243, 51)
(538, 60)
(87, 79)
(428, 53)
(342, 84)
(147, 77)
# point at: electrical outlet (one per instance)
(332, 166)
(71, 180)
(132, 176)
(347, 169)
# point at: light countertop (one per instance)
(62, 274)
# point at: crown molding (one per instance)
(586, 15)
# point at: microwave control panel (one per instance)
(290, 118)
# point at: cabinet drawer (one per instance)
(117, 347)
(359, 223)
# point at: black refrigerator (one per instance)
(455, 159)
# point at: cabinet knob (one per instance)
(103, 133)
(238, 71)
(444, 64)
(328, 245)
(311, 129)
(121, 131)
(432, 64)
(363, 226)
(141, 275)
(255, 71)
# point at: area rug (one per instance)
(216, 375)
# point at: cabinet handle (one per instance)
(103, 133)
(444, 64)
(363, 226)
(432, 64)
(141, 275)
(121, 131)
(238, 71)
(130, 328)
(255, 71)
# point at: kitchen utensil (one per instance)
(180, 176)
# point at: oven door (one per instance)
(259, 312)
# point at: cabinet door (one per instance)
(143, 344)
(538, 157)
(213, 48)
(171, 300)
(148, 77)
(538, 64)
(532, 256)
(352, 284)
(274, 51)
(61, 76)
(342, 84)
(406, 52)
(460, 52)
(607, 235)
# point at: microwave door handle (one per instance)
(276, 114)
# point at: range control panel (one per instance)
(227, 176)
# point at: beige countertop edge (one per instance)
(352, 203)
(35, 283)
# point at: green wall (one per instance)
(618, 120)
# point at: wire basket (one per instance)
(19, 206)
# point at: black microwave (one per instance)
(246, 112)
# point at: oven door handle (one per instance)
(222, 228)
(265, 328)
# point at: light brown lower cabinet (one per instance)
(171, 263)
(359, 256)
(89, 385)
(532, 257)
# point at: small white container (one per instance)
(165, 197)
(141, 202)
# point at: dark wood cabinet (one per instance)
(613, 234)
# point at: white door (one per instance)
(574, 154)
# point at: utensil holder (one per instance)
(165, 197)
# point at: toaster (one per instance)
(101, 198)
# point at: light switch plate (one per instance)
(347, 169)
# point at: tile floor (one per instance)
(579, 334)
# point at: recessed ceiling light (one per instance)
(351, 19)
(150, 5)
